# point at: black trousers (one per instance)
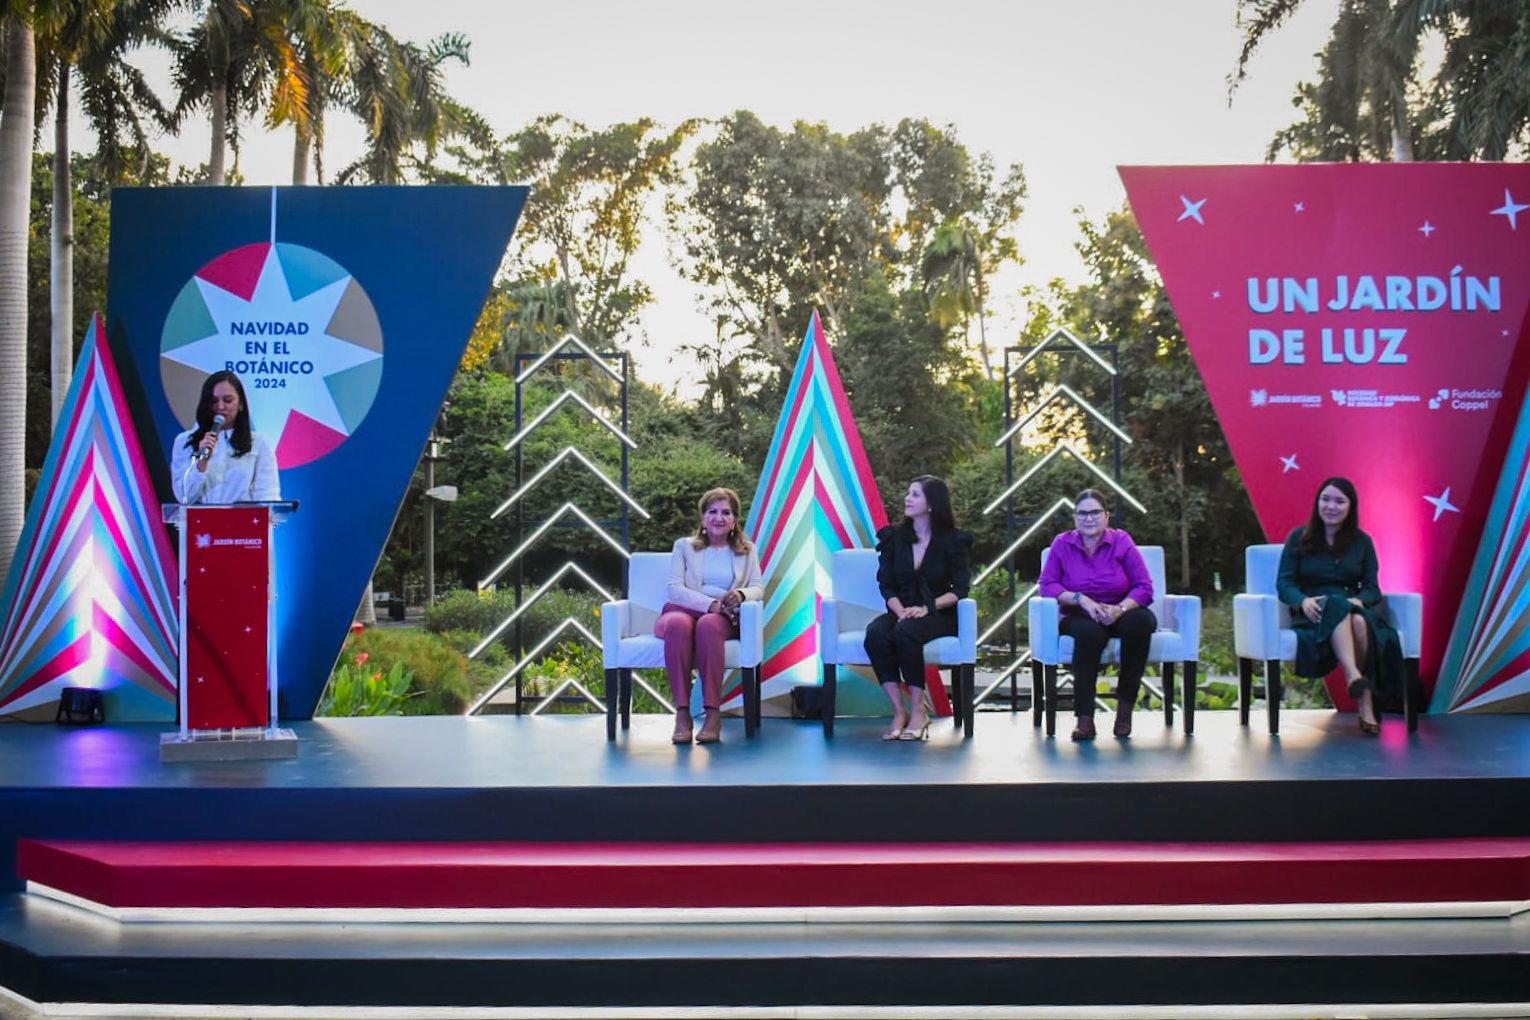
(1135, 629)
(897, 646)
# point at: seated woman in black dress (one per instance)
(1328, 578)
(923, 573)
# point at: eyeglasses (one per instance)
(1088, 515)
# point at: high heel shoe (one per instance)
(1370, 729)
(683, 729)
(911, 733)
(896, 733)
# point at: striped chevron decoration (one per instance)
(1487, 662)
(816, 495)
(89, 600)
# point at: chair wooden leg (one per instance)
(1190, 668)
(613, 687)
(954, 689)
(826, 699)
(1050, 698)
(1272, 693)
(1036, 699)
(969, 683)
(626, 696)
(1413, 693)
(1168, 693)
(1245, 689)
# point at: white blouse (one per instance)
(228, 479)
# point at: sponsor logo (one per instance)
(203, 540)
(1373, 398)
(1264, 398)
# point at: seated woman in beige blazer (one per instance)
(710, 573)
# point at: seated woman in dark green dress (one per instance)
(1328, 578)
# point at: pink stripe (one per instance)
(122, 544)
(135, 457)
(120, 640)
(60, 664)
(767, 551)
(827, 506)
(82, 484)
(852, 431)
(801, 647)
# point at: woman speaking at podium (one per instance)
(221, 460)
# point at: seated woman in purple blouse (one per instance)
(1098, 577)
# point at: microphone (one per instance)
(205, 452)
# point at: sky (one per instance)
(1068, 90)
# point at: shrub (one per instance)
(438, 672)
(356, 688)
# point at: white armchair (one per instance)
(857, 601)
(1177, 640)
(627, 641)
(1262, 633)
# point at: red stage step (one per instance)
(692, 875)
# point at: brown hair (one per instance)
(1094, 494)
(736, 540)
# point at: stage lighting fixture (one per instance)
(80, 705)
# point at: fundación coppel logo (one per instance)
(297, 329)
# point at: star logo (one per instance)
(1511, 209)
(1258, 398)
(1442, 504)
(296, 328)
(1289, 464)
(1426, 229)
(1216, 295)
(1192, 210)
(1300, 207)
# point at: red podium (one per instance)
(228, 651)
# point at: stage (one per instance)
(504, 780)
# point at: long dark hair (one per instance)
(241, 437)
(1314, 535)
(938, 496)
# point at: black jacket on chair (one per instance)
(946, 567)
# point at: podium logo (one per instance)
(204, 540)
(296, 328)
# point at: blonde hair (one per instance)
(736, 540)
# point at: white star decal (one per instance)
(1289, 464)
(273, 302)
(1216, 294)
(1511, 209)
(1426, 229)
(1192, 210)
(1503, 332)
(1442, 503)
(1300, 207)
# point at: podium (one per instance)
(228, 646)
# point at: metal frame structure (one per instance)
(1061, 342)
(603, 361)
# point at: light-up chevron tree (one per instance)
(1061, 342)
(89, 600)
(566, 349)
(816, 495)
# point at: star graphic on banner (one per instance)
(1503, 332)
(1300, 207)
(1511, 209)
(1216, 294)
(1192, 210)
(1426, 229)
(1442, 503)
(1289, 464)
(249, 630)
(272, 301)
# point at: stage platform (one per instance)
(549, 779)
(556, 778)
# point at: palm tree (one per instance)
(1477, 105)
(16, 129)
(398, 91)
(951, 270)
(90, 40)
(316, 53)
(223, 64)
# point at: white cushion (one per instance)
(1164, 647)
(647, 652)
